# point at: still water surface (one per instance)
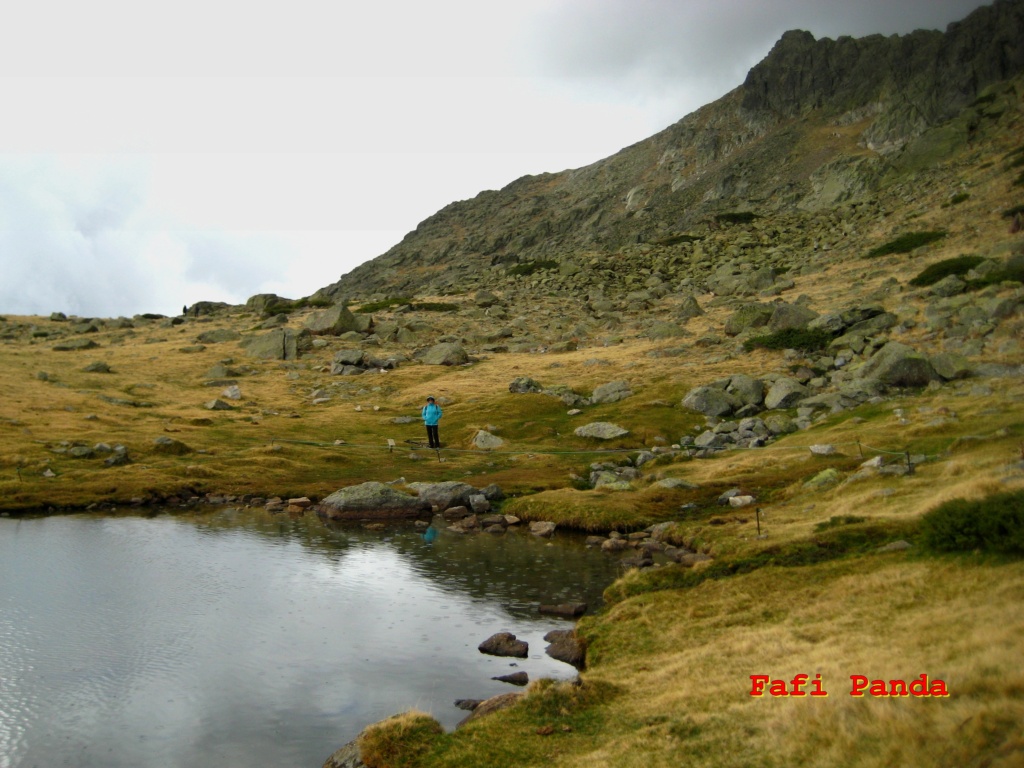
(237, 638)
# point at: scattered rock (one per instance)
(542, 529)
(515, 678)
(486, 441)
(565, 646)
(504, 644)
(170, 446)
(371, 501)
(601, 430)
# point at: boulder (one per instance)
(515, 678)
(689, 308)
(98, 367)
(333, 321)
(747, 389)
(951, 366)
(486, 441)
(218, 335)
(446, 353)
(444, 495)
(371, 500)
(504, 644)
(543, 529)
(490, 706)
(601, 430)
(897, 365)
(786, 316)
(348, 356)
(711, 401)
(564, 646)
(522, 385)
(748, 317)
(785, 393)
(170, 446)
(612, 392)
(279, 344)
(74, 345)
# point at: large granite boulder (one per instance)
(486, 441)
(444, 495)
(897, 365)
(790, 316)
(712, 401)
(218, 335)
(748, 317)
(279, 344)
(371, 500)
(445, 353)
(611, 392)
(785, 393)
(601, 430)
(333, 321)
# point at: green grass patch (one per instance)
(906, 243)
(736, 217)
(958, 198)
(993, 524)
(530, 267)
(791, 338)
(1009, 213)
(960, 265)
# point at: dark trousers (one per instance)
(432, 437)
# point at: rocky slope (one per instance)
(817, 128)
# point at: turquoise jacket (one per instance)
(431, 414)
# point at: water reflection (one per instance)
(239, 637)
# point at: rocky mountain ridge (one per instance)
(817, 127)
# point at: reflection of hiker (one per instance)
(431, 413)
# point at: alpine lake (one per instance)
(222, 636)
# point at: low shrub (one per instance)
(906, 243)
(383, 304)
(736, 217)
(791, 338)
(958, 198)
(992, 524)
(1012, 272)
(961, 265)
(436, 306)
(529, 267)
(1009, 213)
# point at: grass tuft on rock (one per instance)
(400, 740)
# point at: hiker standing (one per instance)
(431, 413)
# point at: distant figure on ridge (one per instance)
(431, 413)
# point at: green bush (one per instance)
(961, 265)
(992, 524)
(959, 197)
(380, 306)
(1012, 272)
(791, 338)
(906, 243)
(1009, 213)
(436, 306)
(736, 217)
(529, 267)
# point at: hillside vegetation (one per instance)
(847, 353)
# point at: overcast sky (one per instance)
(157, 154)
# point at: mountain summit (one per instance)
(816, 125)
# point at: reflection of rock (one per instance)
(504, 644)
(564, 609)
(371, 500)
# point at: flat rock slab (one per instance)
(377, 501)
(601, 430)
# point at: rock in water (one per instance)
(377, 501)
(504, 644)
